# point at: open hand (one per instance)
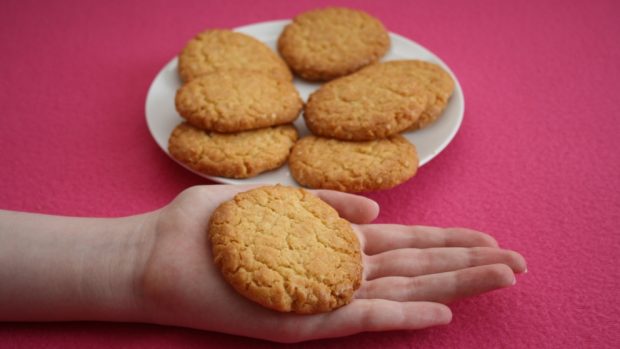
(410, 272)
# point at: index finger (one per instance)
(384, 237)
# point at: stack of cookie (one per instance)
(356, 117)
(239, 104)
(237, 90)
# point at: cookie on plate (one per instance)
(328, 43)
(435, 80)
(234, 155)
(286, 249)
(218, 50)
(325, 163)
(366, 105)
(232, 101)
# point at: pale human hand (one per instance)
(409, 273)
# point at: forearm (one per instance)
(61, 268)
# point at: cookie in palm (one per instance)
(286, 249)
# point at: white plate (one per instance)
(162, 118)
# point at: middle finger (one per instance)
(415, 262)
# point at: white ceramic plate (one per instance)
(162, 118)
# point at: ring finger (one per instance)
(442, 287)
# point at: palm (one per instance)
(408, 273)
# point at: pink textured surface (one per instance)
(536, 162)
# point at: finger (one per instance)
(416, 262)
(215, 193)
(384, 237)
(203, 199)
(442, 288)
(364, 315)
(354, 208)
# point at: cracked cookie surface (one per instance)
(328, 43)
(234, 155)
(218, 50)
(286, 249)
(432, 77)
(375, 102)
(237, 101)
(324, 163)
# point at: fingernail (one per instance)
(525, 271)
(514, 281)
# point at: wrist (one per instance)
(111, 280)
(62, 269)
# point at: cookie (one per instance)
(286, 249)
(328, 43)
(233, 101)
(235, 155)
(218, 50)
(366, 105)
(435, 80)
(325, 163)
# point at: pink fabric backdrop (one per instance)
(536, 162)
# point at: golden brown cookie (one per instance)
(218, 50)
(234, 155)
(325, 163)
(328, 43)
(366, 105)
(286, 249)
(434, 79)
(235, 101)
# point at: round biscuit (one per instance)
(435, 80)
(328, 43)
(234, 155)
(234, 101)
(218, 50)
(325, 163)
(366, 105)
(286, 249)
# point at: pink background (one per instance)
(536, 162)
